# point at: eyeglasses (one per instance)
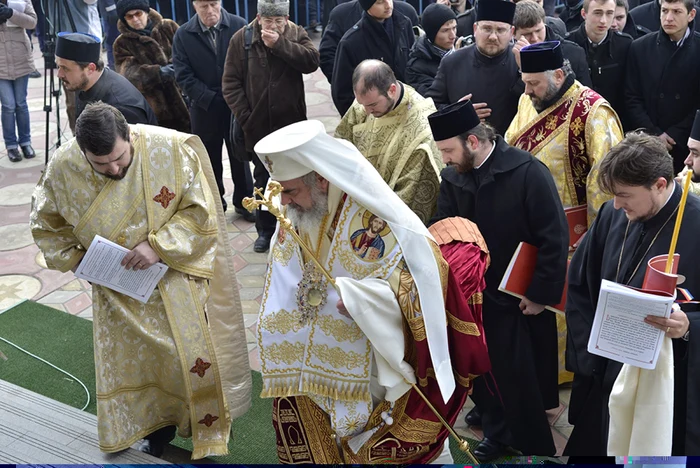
(488, 30)
(137, 14)
(274, 22)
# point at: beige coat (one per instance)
(16, 58)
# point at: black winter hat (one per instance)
(434, 16)
(125, 6)
(366, 4)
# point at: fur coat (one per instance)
(139, 58)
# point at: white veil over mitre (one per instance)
(303, 147)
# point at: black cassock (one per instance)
(493, 80)
(115, 90)
(596, 259)
(512, 198)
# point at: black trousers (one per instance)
(265, 222)
(214, 133)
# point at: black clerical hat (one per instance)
(453, 120)
(495, 10)
(695, 132)
(79, 47)
(545, 56)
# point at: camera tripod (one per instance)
(53, 11)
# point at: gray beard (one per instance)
(308, 220)
(542, 104)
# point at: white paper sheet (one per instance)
(102, 265)
(619, 331)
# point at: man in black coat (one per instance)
(485, 71)
(199, 53)
(382, 34)
(624, 22)
(512, 198)
(648, 15)
(440, 25)
(465, 22)
(661, 84)
(606, 51)
(530, 28)
(82, 71)
(631, 229)
(342, 18)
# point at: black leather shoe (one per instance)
(35, 74)
(246, 215)
(489, 449)
(14, 155)
(28, 152)
(262, 244)
(473, 417)
(152, 448)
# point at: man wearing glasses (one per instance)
(485, 72)
(264, 87)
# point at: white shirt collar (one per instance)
(669, 197)
(687, 33)
(493, 147)
(601, 41)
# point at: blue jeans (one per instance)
(13, 97)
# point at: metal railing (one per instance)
(182, 10)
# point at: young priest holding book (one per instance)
(512, 198)
(632, 228)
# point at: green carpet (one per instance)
(60, 338)
(66, 341)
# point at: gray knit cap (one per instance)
(273, 7)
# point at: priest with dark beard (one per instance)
(629, 230)
(512, 198)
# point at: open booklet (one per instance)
(102, 265)
(619, 331)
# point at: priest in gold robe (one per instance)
(351, 321)
(388, 123)
(570, 128)
(178, 360)
(564, 124)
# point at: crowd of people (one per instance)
(465, 131)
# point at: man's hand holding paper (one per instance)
(141, 257)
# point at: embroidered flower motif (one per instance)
(577, 126)
(208, 420)
(551, 122)
(164, 197)
(200, 367)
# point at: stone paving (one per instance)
(23, 273)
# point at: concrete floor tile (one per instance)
(78, 304)
(559, 441)
(60, 307)
(254, 270)
(239, 263)
(251, 281)
(249, 294)
(250, 319)
(255, 258)
(73, 286)
(250, 307)
(86, 314)
(59, 297)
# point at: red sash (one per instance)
(570, 112)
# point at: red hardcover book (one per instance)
(577, 217)
(520, 271)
